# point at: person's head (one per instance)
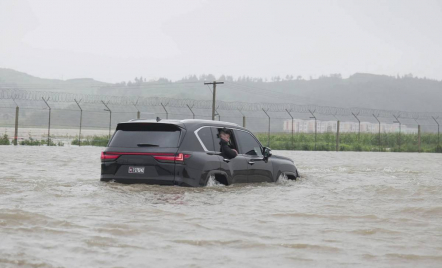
(224, 134)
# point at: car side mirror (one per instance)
(266, 152)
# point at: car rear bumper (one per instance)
(137, 180)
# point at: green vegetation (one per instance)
(5, 140)
(327, 142)
(92, 141)
(391, 142)
(32, 142)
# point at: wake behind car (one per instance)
(187, 153)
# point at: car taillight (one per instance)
(162, 157)
(105, 156)
(179, 158)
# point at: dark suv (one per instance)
(187, 153)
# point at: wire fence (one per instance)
(64, 118)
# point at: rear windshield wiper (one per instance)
(147, 145)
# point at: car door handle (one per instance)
(251, 162)
(226, 160)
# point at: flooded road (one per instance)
(348, 209)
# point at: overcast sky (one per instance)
(116, 40)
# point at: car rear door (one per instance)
(251, 149)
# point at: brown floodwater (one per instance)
(348, 209)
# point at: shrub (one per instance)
(5, 140)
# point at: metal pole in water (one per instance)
(49, 123)
(268, 133)
(81, 119)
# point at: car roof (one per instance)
(186, 123)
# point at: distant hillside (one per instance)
(13, 79)
(405, 93)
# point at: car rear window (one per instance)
(136, 135)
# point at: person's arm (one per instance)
(226, 150)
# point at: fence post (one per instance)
(379, 131)
(110, 117)
(359, 134)
(49, 123)
(17, 110)
(316, 125)
(337, 136)
(400, 126)
(418, 134)
(243, 119)
(138, 111)
(164, 107)
(292, 125)
(218, 114)
(190, 108)
(268, 134)
(81, 119)
(419, 137)
(437, 129)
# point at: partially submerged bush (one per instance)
(5, 140)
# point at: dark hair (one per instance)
(225, 130)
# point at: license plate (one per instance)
(139, 170)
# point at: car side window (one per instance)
(248, 143)
(216, 139)
(205, 136)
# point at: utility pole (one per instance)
(214, 83)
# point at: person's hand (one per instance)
(235, 151)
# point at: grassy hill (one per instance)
(405, 93)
